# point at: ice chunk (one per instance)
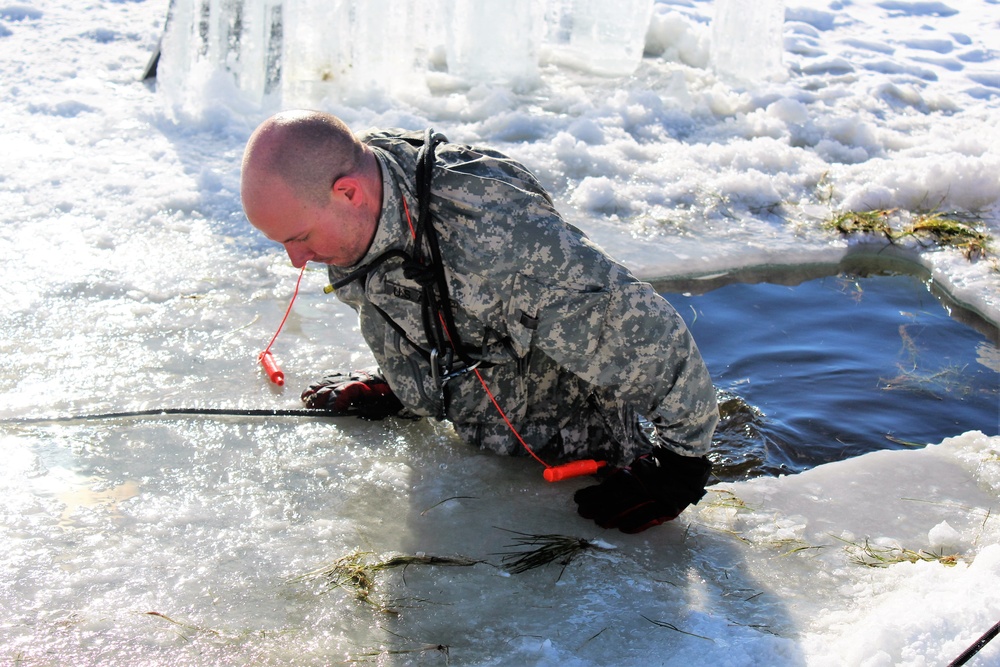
(241, 39)
(390, 42)
(297, 52)
(493, 42)
(586, 35)
(943, 536)
(316, 53)
(258, 70)
(747, 39)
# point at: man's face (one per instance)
(334, 233)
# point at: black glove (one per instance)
(655, 488)
(362, 393)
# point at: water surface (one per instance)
(837, 366)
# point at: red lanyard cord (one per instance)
(507, 421)
(552, 473)
(265, 358)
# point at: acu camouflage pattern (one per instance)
(578, 346)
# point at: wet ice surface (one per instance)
(144, 541)
(131, 281)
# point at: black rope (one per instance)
(425, 230)
(369, 267)
(968, 653)
(425, 227)
(171, 412)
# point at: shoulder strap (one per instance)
(425, 228)
(425, 173)
(427, 270)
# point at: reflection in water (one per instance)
(816, 366)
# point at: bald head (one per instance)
(309, 184)
(308, 150)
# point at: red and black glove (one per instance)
(656, 487)
(362, 393)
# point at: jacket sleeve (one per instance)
(627, 338)
(566, 298)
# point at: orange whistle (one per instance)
(573, 469)
(274, 373)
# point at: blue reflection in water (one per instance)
(838, 366)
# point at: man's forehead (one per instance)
(274, 212)
(281, 228)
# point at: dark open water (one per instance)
(836, 366)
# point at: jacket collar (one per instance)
(393, 229)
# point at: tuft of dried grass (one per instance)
(863, 222)
(356, 572)
(950, 230)
(869, 555)
(544, 549)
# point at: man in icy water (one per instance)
(469, 286)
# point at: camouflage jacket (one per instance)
(547, 311)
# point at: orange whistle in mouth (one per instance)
(274, 373)
(573, 469)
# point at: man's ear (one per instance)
(348, 188)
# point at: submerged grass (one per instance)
(795, 546)
(951, 379)
(378, 655)
(183, 625)
(356, 572)
(671, 626)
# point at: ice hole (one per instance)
(822, 363)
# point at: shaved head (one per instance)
(308, 150)
(310, 185)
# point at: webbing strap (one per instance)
(441, 302)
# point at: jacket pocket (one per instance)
(564, 323)
(522, 313)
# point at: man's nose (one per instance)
(298, 254)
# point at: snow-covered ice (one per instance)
(131, 280)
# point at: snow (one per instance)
(131, 280)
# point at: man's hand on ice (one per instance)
(655, 488)
(362, 393)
